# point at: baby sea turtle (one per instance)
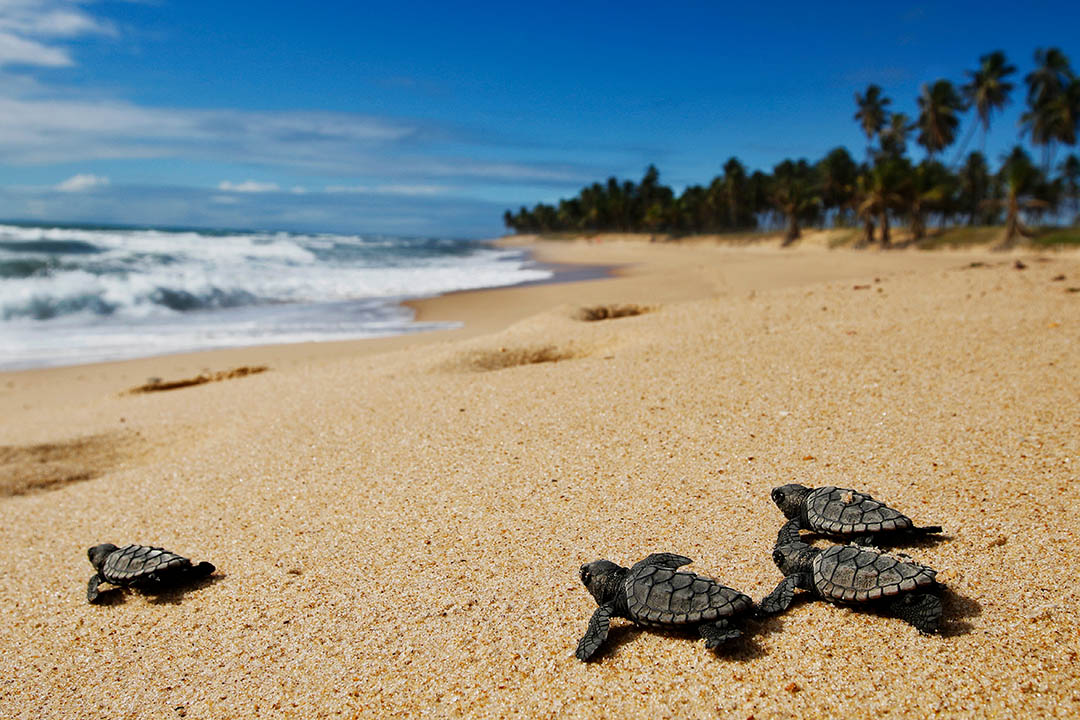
(653, 592)
(846, 513)
(140, 566)
(849, 574)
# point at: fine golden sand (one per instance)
(398, 525)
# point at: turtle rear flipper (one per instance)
(174, 577)
(717, 633)
(923, 611)
(596, 634)
(201, 570)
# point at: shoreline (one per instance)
(582, 261)
(603, 269)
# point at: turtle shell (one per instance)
(134, 562)
(852, 574)
(662, 596)
(847, 512)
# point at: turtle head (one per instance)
(789, 498)
(793, 557)
(603, 579)
(98, 553)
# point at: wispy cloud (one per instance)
(44, 131)
(248, 186)
(32, 31)
(82, 182)
(408, 190)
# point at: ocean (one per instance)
(80, 294)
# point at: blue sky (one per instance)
(425, 118)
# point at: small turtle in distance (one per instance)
(845, 513)
(848, 574)
(653, 592)
(142, 567)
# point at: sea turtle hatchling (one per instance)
(846, 513)
(140, 566)
(849, 574)
(654, 592)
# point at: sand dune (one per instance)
(398, 525)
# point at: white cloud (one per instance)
(248, 186)
(15, 50)
(82, 182)
(298, 190)
(30, 29)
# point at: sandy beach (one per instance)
(398, 523)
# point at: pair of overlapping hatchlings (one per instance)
(654, 592)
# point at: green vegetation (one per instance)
(964, 200)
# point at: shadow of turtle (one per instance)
(956, 608)
(740, 649)
(173, 593)
(158, 594)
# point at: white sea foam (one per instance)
(84, 294)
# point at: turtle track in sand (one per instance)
(610, 312)
(159, 385)
(507, 357)
(46, 466)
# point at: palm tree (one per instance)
(863, 210)
(837, 173)
(1070, 179)
(734, 192)
(986, 92)
(1021, 181)
(884, 191)
(794, 196)
(1053, 103)
(974, 186)
(929, 185)
(894, 136)
(871, 114)
(939, 110)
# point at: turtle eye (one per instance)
(777, 495)
(586, 576)
(778, 557)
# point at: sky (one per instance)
(429, 119)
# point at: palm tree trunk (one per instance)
(868, 231)
(1013, 226)
(792, 233)
(918, 225)
(885, 242)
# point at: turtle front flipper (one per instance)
(92, 593)
(596, 634)
(780, 599)
(717, 633)
(789, 533)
